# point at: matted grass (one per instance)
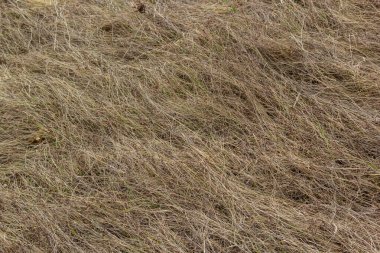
(190, 126)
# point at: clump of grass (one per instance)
(201, 126)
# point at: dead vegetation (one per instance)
(190, 126)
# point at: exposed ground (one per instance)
(190, 126)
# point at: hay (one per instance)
(190, 126)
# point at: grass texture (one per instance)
(190, 126)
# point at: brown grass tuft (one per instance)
(190, 126)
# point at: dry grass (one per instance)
(190, 126)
